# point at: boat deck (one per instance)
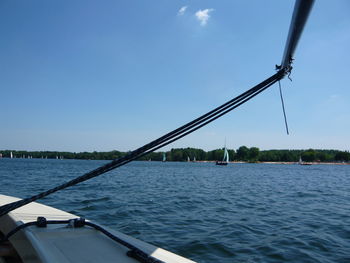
(61, 244)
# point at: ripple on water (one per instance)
(241, 213)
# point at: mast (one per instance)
(301, 12)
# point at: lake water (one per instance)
(208, 213)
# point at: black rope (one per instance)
(158, 143)
(133, 251)
(284, 111)
(15, 230)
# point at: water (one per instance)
(238, 213)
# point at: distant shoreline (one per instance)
(308, 163)
(201, 161)
(296, 163)
(240, 155)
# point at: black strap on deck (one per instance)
(42, 222)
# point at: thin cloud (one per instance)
(203, 16)
(334, 97)
(182, 10)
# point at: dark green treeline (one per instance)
(243, 153)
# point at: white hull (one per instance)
(62, 244)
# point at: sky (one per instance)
(108, 75)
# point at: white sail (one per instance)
(11, 155)
(164, 157)
(226, 156)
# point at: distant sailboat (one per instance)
(188, 159)
(226, 158)
(194, 158)
(301, 162)
(164, 157)
(11, 155)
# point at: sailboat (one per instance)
(11, 155)
(301, 162)
(226, 158)
(164, 158)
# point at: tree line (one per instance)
(243, 153)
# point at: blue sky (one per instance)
(104, 75)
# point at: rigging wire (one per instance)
(158, 143)
(302, 9)
(284, 111)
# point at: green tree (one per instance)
(242, 153)
(342, 156)
(253, 154)
(309, 155)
